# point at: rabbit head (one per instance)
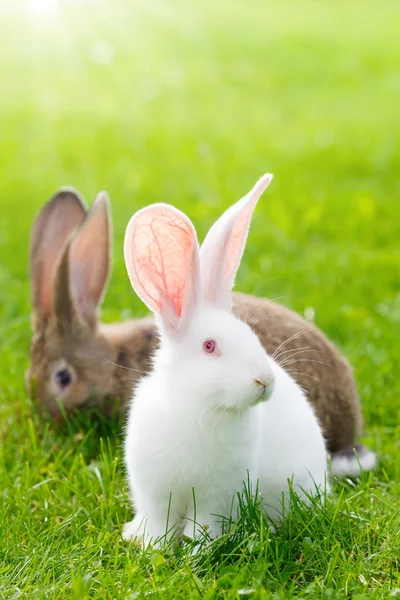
(69, 267)
(205, 352)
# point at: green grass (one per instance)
(190, 103)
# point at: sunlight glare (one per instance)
(42, 6)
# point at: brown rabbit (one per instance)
(78, 361)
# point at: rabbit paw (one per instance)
(135, 532)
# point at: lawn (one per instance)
(189, 103)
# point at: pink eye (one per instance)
(209, 346)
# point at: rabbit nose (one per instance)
(266, 386)
(263, 382)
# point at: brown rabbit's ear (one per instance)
(50, 231)
(83, 271)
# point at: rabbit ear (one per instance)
(87, 269)
(52, 227)
(162, 259)
(222, 249)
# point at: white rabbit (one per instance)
(216, 410)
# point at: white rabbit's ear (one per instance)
(222, 249)
(162, 259)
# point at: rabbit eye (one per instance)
(209, 346)
(63, 377)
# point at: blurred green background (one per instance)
(189, 103)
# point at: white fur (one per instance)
(195, 424)
(352, 466)
(202, 425)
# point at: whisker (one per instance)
(300, 373)
(293, 337)
(269, 301)
(122, 366)
(254, 323)
(262, 283)
(289, 362)
(304, 389)
(297, 351)
(266, 299)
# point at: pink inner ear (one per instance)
(223, 247)
(160, 254)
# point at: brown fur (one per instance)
(314, 362)
(107, 360)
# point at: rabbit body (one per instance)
(188, 453)
(216, 409)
